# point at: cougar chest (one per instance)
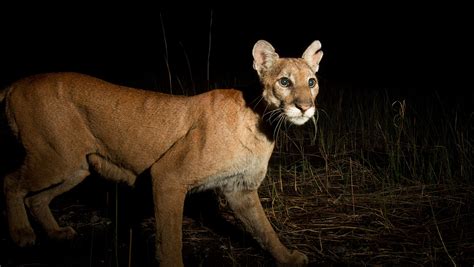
(237, 160)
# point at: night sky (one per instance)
(413, 48)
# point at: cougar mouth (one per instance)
(297, 116)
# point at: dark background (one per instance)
(410, 51)
(402, 47)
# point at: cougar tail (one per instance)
(6, 120)
(3, 93)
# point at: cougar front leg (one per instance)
(168, 198)
(247, 207)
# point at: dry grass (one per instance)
(361, 223)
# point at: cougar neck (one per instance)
(259, 106)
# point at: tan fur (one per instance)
(69, 123)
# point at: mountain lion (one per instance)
(69, 124)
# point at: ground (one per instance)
(332, 222)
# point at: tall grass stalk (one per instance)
(166, 56)
(209, 52)
(116, 237)
(400, 140)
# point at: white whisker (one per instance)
(257, 101)
(315, 120)
(276, 131)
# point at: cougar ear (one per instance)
(263, 56)
(313, 55)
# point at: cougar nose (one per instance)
(303, 106)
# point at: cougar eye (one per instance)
(312, 82)
(285, 82)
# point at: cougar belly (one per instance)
(246, 174)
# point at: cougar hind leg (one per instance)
(38, 205)
(18, 225)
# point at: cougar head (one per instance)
(290, 85)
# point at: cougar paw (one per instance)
(63, 233)
(295, 258)
(23, 237)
